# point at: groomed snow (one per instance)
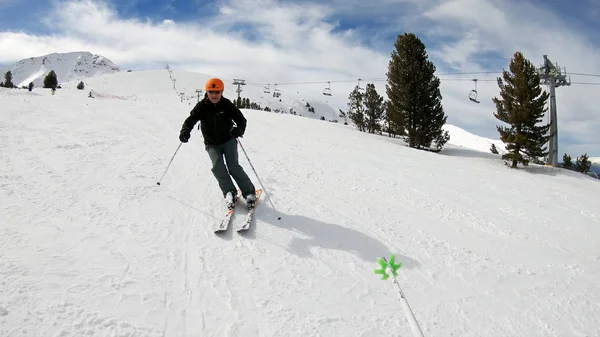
(90, 245)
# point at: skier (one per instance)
(216, 115)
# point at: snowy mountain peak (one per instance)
(69, 66)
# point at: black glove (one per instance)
(184, 136)
(236, 132)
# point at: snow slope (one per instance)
(72, 66)
(90, 245)
(463, 138)
(188, 82)
(595, 164)
(174, 81)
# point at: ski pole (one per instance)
(388, 269)
(158, 183)
(256, 174)
(410, 316)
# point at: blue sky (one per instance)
(377, 24)
(334, 40)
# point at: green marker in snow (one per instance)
(385, 264)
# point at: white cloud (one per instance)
(294, 43)
(227, 11)
(269, 41)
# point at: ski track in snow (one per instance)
(90, 245)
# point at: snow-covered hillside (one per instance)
(188, 82)
(90, 245)
(171, 83)
(595, 162)
(72, 66)
(463, 138)
(595, 165)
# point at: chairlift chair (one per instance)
(276, 92)
(358, 85)
(473, 93)
(327, 91)
(267, 89)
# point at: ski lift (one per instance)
(358, 85)
(267, 89)
(473, 93)
(276, 92)
(327, 91)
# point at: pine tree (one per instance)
(415, 100)
(493, 149)
(8, 80)
(373, 109)
(50, 80)
(522, 106)
(81, 85)
(389, 126)
(356, 108)
(583, 164)
(567, 162)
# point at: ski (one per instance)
(249, 216)
(224, 224)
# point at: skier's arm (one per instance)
(238, 118)
(188, 124)
(193, 118)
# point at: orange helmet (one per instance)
(214, 84)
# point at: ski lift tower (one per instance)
(553, 76)
(198, 92)
(239, 83)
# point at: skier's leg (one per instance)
(236, 170)
(215, 152)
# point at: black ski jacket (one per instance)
(216, 120)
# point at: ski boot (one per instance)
(230, 199)
(250, 200)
